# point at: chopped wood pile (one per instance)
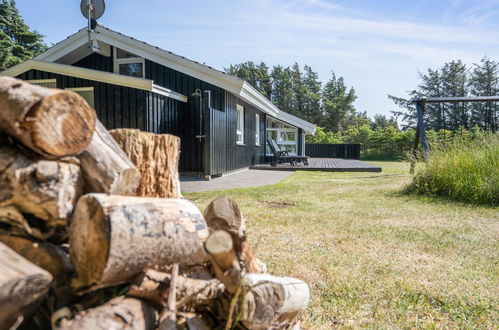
(94, 239)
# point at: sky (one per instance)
(377, 46)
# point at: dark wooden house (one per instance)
(221, 120)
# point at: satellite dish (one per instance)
(96, 10)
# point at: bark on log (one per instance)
(106, 168)
(22, 284)
(157, 158)
(118, 313)
(48, 189)
(113, 238)
(45, 255)
(268, 300)
(224, 214)
(155, 286)
(273, 301)
(51, 122)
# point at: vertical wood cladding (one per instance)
(124, 107)
(227, 155)
(96, 61)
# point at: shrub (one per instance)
(464, 169)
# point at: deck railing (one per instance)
(323, 150)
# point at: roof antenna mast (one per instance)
(92, 10)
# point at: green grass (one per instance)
(462, 170)
(372, 256)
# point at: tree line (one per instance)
(455, 79)
(298, 91)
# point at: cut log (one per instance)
(22, 284)
(114, 238)
(224, 214)
(157, 158)
(51, 122)
(118, 313)
(155, 286)
(269, 301)
(48, 256)
(273, 301)
(106, 168)
(48, 189)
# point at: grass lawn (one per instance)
(371, 256)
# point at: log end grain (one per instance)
(89, 228)
(59, 124)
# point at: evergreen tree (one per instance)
(484, 81)
(282, 88)
(312, 107)
(337, 102)
(17, 42)
(432, 86)
(299, 92)
(454, 83)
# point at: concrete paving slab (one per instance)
(248, 178)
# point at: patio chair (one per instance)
(282, 156)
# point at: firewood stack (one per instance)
(87, 243)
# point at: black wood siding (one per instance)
(324, 150)
(124, 107)
(96, 61)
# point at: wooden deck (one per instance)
(323, 164)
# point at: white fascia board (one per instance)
(175, 62)
(255, 98)
(295, 121)
(64, 47)
(168, 93)
(95, 75)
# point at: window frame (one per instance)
(257, 129)
(43, 81)
(282, 128)
(129, 60)
(239, 124)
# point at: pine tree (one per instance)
(484, 81)
(313, 86)
(454, 82)
(337, 102)
(17, 42)
(299, 92)
(432, 86)
(282, 88)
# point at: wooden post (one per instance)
(51, 122)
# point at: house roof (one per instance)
(75, 47)
(95, 75)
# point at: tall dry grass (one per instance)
(462, 169)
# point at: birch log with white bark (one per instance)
(106, 168)
(223, 213)
(22, 284)
(269, 301)
(118, 313)
(51, 122)
(113, 238)
(157, 158)
(48, 189)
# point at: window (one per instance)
(284, 135)
(240, 124)
(49, 83)
(86, 92)
(128, 64)
(257, 129)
